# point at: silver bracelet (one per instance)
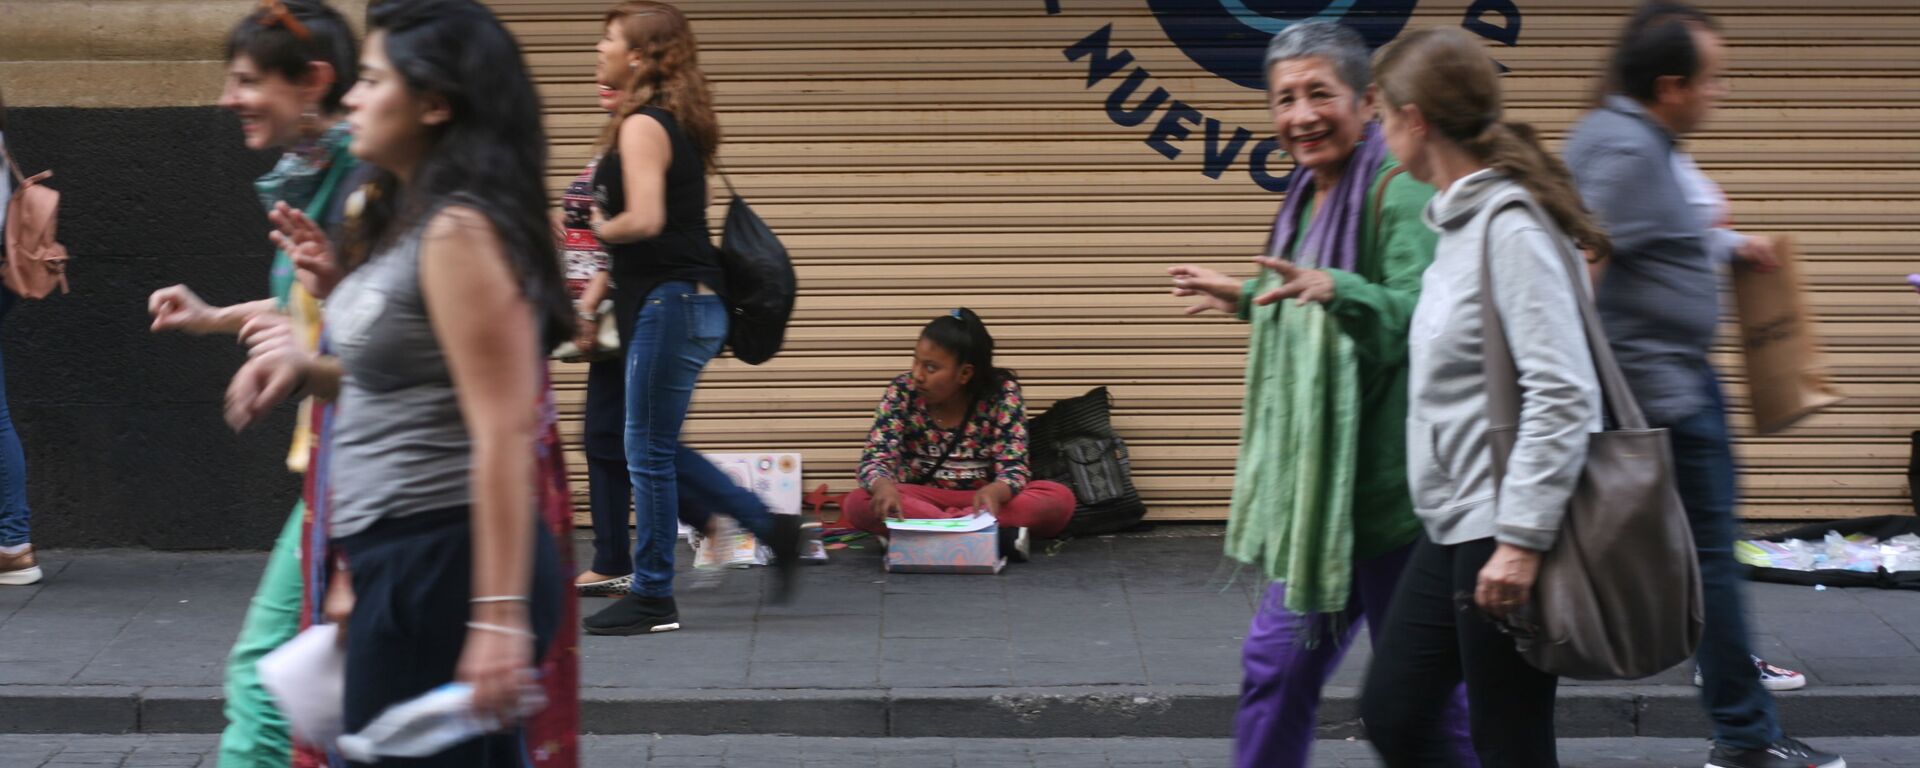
(499, 599)
(485, 627)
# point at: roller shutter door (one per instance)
(919, 155)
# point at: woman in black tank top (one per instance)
(650, 192)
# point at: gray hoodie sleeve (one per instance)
(1559, 390)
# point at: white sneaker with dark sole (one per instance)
(18, 569)
(1772, 678)
(21, 578)
(1785, 753)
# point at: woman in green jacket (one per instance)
(1320, 500)
(289, 64)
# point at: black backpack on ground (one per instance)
(1074, 444)
(760, 282)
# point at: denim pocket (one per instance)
(706, 317)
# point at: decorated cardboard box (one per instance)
(960, 545)
(775, 478)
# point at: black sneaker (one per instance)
(634, 615)
(785, 543)
(1785, 753)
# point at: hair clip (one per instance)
(955, 314)
(277, 14)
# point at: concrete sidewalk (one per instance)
(1118, 636)
(197, 751)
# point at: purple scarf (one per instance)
(1333, 237)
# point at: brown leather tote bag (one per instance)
(1618, 596)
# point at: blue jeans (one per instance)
(1742, 710)
(13, 461)
(676, 332)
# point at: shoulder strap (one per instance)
(953, 442)
(12, 166)
(724, 179)
(1503, 380)
(1380, 200)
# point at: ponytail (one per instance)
(964, 334)
(1514, 150)
(1456, 85)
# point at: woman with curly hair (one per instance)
(650, 195)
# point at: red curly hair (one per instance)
(669, 75)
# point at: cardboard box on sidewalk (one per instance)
(775, 478)
(963, 545)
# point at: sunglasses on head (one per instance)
(278, 15)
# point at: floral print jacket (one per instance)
(905, 444)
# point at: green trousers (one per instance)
(256, 734)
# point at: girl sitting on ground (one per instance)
(950, 437)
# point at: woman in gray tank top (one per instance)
(440, 330)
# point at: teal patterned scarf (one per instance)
(296, 179)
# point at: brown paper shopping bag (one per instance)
(1786, 380)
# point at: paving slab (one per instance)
(124, 641)
(652, 751)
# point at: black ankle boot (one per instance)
(785, 542)
(634, 615)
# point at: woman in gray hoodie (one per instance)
(1503, 201)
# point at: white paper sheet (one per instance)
(978, 521)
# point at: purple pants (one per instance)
(1280, 696)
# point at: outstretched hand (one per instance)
(1304, 286)
(307, 244)
(1216, 291)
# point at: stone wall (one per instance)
(123, 432)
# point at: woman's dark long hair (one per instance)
(491, 155)
(962, 333)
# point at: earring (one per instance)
(310, 119)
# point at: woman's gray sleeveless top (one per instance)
(400, 446)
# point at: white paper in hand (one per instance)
(308, 677)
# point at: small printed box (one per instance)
(775, 478)
(966, 545)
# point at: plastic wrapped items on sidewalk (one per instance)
(1881, 552)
